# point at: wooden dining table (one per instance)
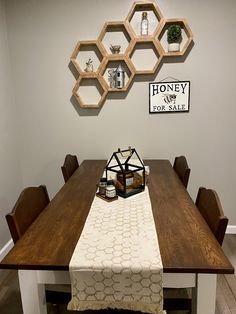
(191, 256)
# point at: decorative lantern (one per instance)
(128, 172)
(119, 77)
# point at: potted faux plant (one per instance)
(174, 37)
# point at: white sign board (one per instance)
(169, 97)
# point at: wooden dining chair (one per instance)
(182, 169)
(69, 166)
(209, 205)
(29, 205)
(31, 202)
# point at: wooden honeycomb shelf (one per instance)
(88, 46)
(129, 71)
(115, 27)
(140, 6)
(131, 42)
(142, 45)
(90, 82)
(184, 44)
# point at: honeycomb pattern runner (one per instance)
(116, 263)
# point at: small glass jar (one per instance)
(110, 189)
(102, 186)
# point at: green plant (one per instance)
(174, 34)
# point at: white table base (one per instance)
(33, 292)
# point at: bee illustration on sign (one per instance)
(169, 97)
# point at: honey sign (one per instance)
(169, 97)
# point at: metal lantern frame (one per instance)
(124, 168)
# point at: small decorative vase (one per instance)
(174, 47)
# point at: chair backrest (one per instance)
(209, 205)
(69, 166)
(181, 168)
(29, 205)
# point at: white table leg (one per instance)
(205, 294)
(32, 294)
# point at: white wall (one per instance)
(10, 178)
(42, 36)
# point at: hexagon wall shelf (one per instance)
(137, 9)
(97, 98)
(186, 34)
(134, 48)
(123, 37)
(85, 50)
(151, 53)
(113, 64)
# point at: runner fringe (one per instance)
(91, 305)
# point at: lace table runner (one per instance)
(116, 263)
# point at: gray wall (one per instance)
(10, 178)
(42, 35)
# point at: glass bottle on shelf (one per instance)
(144, 24)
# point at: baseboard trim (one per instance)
(231, 229)
(7, 247)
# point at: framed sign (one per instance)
(169, 96)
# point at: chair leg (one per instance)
(177, 304)
(57, 297)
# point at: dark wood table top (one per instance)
(186, 243)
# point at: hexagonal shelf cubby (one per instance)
(112, 65)
(134, 17)
(115, 33)
(187, 36)
(146, 56)
(85, 50)
(90, 92)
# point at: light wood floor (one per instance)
(226, 284)
(10, 302)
